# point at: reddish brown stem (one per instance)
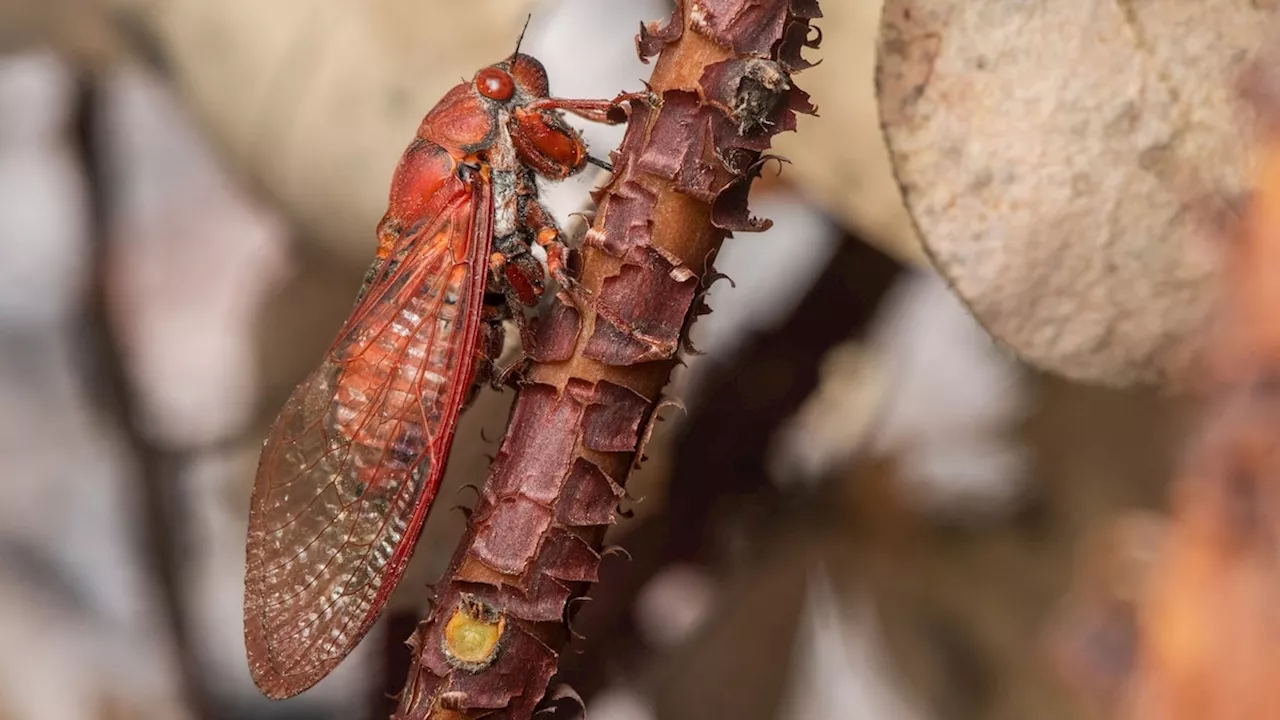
(722, 89)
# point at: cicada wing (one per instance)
(354, 460)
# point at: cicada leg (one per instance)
(515, 284)
(546, 234)
(489, 345)
(609, 112)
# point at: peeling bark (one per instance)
(723, 89)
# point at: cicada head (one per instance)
(464, 119)
(543, 140)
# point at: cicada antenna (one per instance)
(515, 55)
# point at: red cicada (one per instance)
(354, 460)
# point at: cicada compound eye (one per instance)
(495, 84)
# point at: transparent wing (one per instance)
(353, 462)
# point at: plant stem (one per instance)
(721, 89)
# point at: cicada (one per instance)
(353, 462)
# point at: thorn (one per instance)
(581, 598)
(814, 41)
(569, 611)
(758, 166)
(690, 349)
(616, 550)
(563, 692)
(656, 416)
(672, 402)
(713, 276)
(633, 500)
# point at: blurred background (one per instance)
(867, 511)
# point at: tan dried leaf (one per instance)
(1059, 159)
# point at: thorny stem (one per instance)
(500, 614)
(718, 460)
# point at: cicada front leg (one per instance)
(608, 112)
(546, 235)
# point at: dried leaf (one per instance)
(1054, 157)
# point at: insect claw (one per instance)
(575, 296)
(466, 511)
(512, 376)
(599, 163)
